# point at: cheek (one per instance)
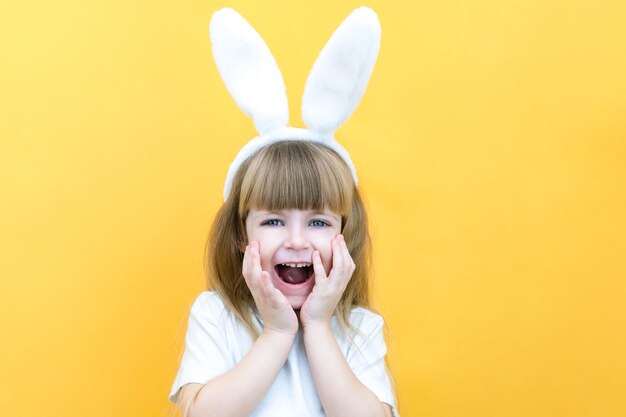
(265, 252)
(268, 245)
(326, 253)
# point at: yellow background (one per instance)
(490, 145)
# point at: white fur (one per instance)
(249, 71)
(334, 88)
(341, 72)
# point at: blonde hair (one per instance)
(287, 175)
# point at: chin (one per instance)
(296, 301)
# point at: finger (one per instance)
(252, 275)
(266, 284)
(256, 260)
(270, 292)
(338, 261)
(318, 268)
(349, 265)
(343, 271)
(252, 283)
(348, 261)
(245, 268)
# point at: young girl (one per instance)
(285, 329)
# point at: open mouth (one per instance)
(294, 273)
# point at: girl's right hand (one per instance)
(277, 314)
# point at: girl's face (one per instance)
(287, 240)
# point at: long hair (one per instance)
(287, 175)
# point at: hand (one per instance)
(277, 314)
(321, 303)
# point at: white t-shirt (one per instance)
(216, 341)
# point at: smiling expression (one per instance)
(290, 237)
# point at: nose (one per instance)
(296, 238)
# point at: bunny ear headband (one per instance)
(333, 89)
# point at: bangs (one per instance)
(296, 175)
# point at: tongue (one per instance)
(292, 275)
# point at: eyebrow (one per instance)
(331, 215)
(261, 213)
(282, 212)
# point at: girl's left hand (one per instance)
(321, 303)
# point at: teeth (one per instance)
(297, 265)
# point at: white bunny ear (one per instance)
(249, 70)
(340, 74)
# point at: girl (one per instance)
(286, 329)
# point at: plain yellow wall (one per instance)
(490, 145)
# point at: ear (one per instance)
(241, 244)
(241, 239)
(249, 70)
(242, 247)
(341, 72)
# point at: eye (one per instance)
(319, 223)
(272, 222)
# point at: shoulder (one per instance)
(364, 325)
(208, 299)
(366, 320)
(208, 304)
(364, 341)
